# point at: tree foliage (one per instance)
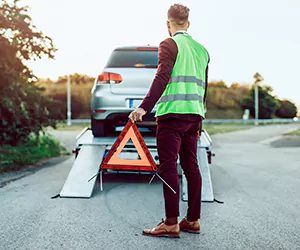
(218, 84)
(76, 79)
(222, 101)
(286, 109)
(23, 109)
(221, 97)
(268, 104)
(81, 86)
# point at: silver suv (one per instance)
(121, 87)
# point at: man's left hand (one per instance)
(137, 115)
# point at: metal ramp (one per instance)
(91, 151)
(86, 164)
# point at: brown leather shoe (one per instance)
(190, 227)
(163, 230)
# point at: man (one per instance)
(179, 88)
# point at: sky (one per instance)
(241, 36)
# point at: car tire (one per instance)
(98, 127)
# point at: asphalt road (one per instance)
(259, 184)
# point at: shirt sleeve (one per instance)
(167, 54)
(206, 81)
(206, 84)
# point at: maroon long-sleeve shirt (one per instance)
(167, 54)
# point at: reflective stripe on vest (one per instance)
(199, 82)
(181, 97)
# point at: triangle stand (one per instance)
(156, 174)
(145, 163)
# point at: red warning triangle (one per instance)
(145, 163)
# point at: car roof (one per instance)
(135, 47)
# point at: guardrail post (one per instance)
(69, 111)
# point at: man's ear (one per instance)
(188, 24)
(168, 25)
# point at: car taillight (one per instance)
(101, 111)
(108, 77)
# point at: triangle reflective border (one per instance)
(145, 163)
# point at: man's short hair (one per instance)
(179, 14)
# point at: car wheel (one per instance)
(98, 127)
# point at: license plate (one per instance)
(134, 103)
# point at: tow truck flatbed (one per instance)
(90, 151)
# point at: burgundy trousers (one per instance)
(179, 137)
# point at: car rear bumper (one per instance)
(108, 106)
(120, 116)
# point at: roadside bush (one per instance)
(28, 153)
(23, 108)
(286, 109)
(24, 111)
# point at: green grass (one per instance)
(213, 129)
(296, 132)
(16, 157)
(224, 113)
(210, 128)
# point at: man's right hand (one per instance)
(137, 115)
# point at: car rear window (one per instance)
(133, 59)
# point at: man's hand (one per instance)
(137, 115)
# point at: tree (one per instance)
(286, 109)
(76, 78)
(23, 110)
(235, 85)
(218, 84)
(267, 102)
